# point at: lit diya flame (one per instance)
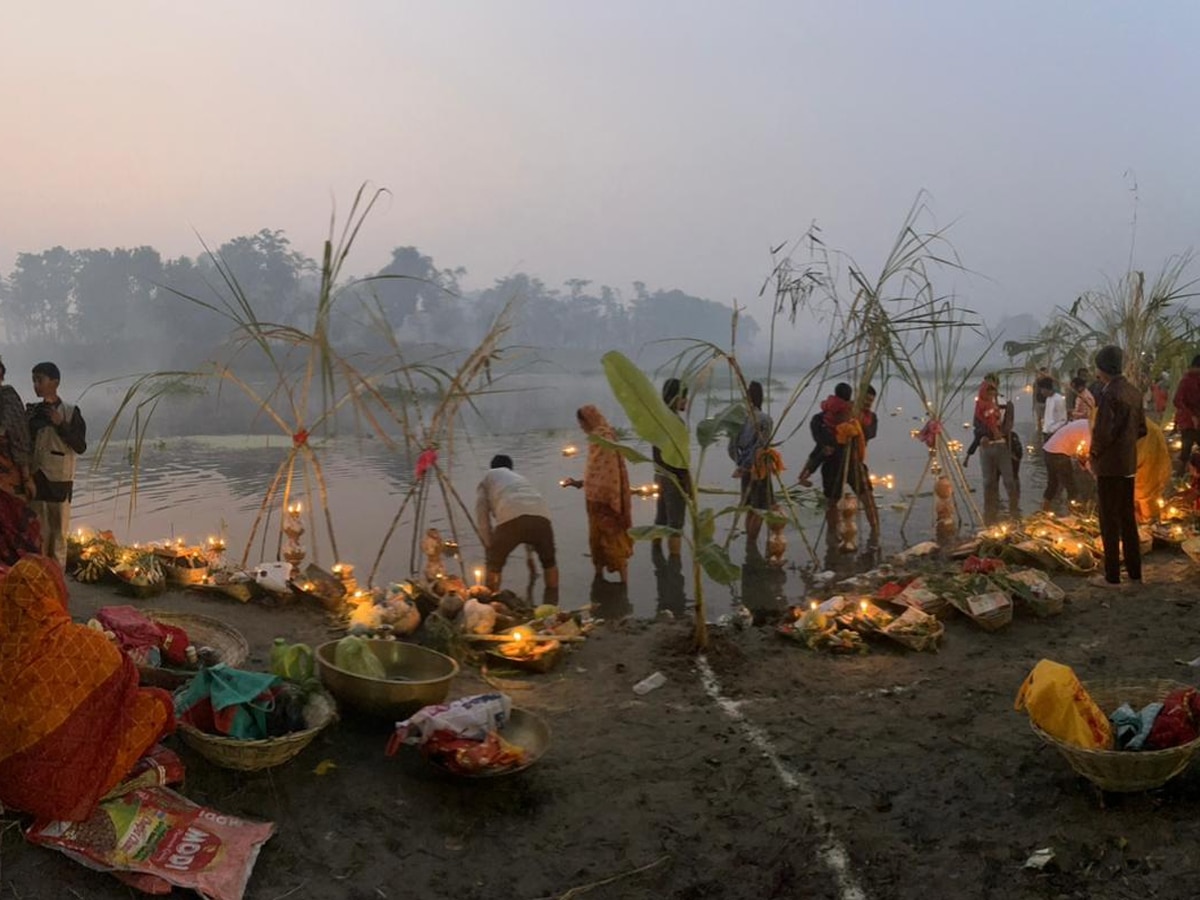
(570, 450)
(478, 577)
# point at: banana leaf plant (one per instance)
(654, 422)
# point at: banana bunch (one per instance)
(91, 569)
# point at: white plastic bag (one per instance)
(468, 717)
(273, 576)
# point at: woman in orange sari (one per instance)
(609, 505)
(72, 717)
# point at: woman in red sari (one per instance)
(19, 532)
(72, 717)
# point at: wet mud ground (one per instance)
(776, 772)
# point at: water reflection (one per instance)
(610, 599)
(763, 588)
(669, 582)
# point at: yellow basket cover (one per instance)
(1061, 706)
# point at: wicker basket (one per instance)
(918, 642)
(184, 575)
(202, 631)
(990, 611)
(251, 756)
(1126, 771)
(1044, 598)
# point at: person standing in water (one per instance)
(674, 485)
(57, 434)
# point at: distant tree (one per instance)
(115, 293)
(414, 284)
(39, 303)
(176, 316)
(267, 271)
(669, 314)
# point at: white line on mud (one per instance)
(831, 852)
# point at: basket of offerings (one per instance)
(923, 595)
(325, 587)
(915, 630)
(1035, 589)
(182, 565)
(1124, 771)
(254, 755)
(991, 610)
(140, 580)
(527, 653)
(214, 642)
(228, 583)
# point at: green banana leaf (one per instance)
(717, 564)
(728, 421)
(650, 417)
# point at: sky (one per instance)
(669, 142)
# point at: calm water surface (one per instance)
(196, 486)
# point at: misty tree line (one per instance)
(100, 296)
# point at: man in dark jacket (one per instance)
(1187, 413)
(1120, 421)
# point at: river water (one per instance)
(196, 486)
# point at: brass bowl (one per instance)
(527, 730)
(417, 677)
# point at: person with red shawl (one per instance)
(73, 720)
(609, 505)
(19, 531)
(1187, 413)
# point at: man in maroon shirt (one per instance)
(1187, 413)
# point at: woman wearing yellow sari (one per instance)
(609, 506)
(73, 720)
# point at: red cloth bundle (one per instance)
(1178, 721)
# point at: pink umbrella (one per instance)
(1073, 439)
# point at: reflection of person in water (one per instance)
(763, 592)
(610, 599)
(668, 576)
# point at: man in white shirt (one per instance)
(1060, 472)
(520, 515)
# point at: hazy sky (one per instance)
(671, 142)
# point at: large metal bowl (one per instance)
(417, 677)
(527, 730)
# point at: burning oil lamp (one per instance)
(293, 528)
(478, 577)
(570, 450)
(345, 574)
